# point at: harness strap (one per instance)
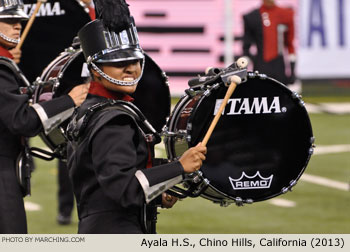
(77, 127)
(26, 88)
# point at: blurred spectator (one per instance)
(271, 29)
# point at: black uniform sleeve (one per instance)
(21, 118)
(53, 112)
(15, 113)
(118, 155)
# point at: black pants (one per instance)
(274, 68)
(65, 190)
(110, 223)
(12, 214)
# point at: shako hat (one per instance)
(112, 37)
(12, 9)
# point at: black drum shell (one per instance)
(152, 95)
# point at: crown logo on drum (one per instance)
(246, 182)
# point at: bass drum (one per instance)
(69, 69)
(259, 148)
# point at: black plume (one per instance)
(114, 14)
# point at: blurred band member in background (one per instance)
(271, 29)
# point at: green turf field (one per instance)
(318, 209)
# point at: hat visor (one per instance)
(17, 13)
(121, 55)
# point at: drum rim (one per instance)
(168, 140)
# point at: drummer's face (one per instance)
(124, 72)
(11, 28)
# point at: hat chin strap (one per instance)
(3, 36)
(115, 81)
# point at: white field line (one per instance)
(332, 108)
(313, 109)
(282, 202)
(329, 149)
(325, 182)
(336, 108)
(30, 206)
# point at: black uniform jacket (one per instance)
(108, 169)
(18, 119)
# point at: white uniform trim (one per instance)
(292, 57)
(51, 123)
(153, 191)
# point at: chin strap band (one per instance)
(119, 82)
(15, 41)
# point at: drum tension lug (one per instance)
(311, 150)
(312, 140)
(292, 184)
(295, 95)
(224, 203)
(263, 76)
(207, 92)
(216, 86)
(239, 201)
(249, 201)
(289, 188)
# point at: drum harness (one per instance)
(24, 89)
(76, 130)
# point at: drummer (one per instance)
(19, 120)
(108, 153)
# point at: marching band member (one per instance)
(271, 29)
(19, 120)
(110, 152)
(59, 22)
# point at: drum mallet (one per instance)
(29, 24)
(235, 80)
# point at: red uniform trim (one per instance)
(98, 89)
(5, 53)
(271, 18)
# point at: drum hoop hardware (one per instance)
(289, 188)
(58, 60)
(168, 133)
(193, 191)
(241, 73)
(295, 95)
